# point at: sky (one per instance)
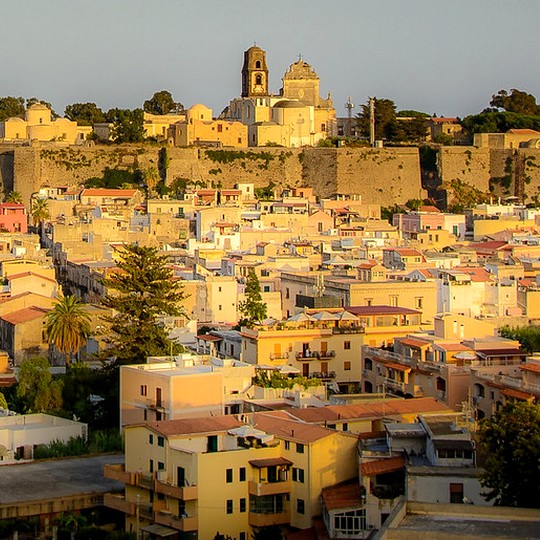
(438, 56)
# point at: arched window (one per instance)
(258, 79)
(258, 64)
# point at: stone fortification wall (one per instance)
(468, 164)
(383, 176)
(6, 168)
(380, 175)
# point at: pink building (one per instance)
(13, 217)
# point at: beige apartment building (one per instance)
(186, 385)
(201, 476)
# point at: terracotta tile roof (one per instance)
(24, 315)
(381, 466)
(412, 342)
(98, 192)
(185, 426)
(517, 394)
(378, 409)
(342, 496)
(501, 352)
(523, 131)
(531, 367)
(451, 346)
(429, 208)
(408, 252)
(207, 337)
(26, 274)
(290, 428)
(269, 462)
(398, 367)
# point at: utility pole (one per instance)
(349, 106)
(372, 121)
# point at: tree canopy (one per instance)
(37, 388)
(11, 106)
(39, 211)
(516, 101)
(252, 310)
(510, 442)
(85, 114)
(128, 125)
(162, 102)
(405, 126)
(140, 293)
(67, 326)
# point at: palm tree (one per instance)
(67, 326)
(39, 211)
(13, 197)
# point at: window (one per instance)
(345, 427)
(150, 439)
(160, 466)
(419, 303)
(242, 505)
(258, 64)
(151, 466)
(160, 441)
(456, 493)
(393, 301)
(347, 366)
(299, 448)
(229, 476)
(242, 536)
(347, 345)
(287, 445)
(242, 475)
(229, 506)
(368, 364)
(212, 443)
(300, 506)
(298, 475)
(258, 79)
(220, 128)
(144, 390)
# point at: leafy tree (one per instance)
(85, 114)
(162, 103)
(265, 193)
(116, 179)
(141, 292)
(385, 119)
(271, 532)
(67, 326)
(128, 125)
(252, 309)
(37, 388)
(510, 442)
(528, 336)
(14, 197)
(11, 106)
(463, 195)
(3, 402)
(499, 122)
(517, 102)
(39, 211)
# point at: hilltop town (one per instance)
(273, 322)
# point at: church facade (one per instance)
(295, 117)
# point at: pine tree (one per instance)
(253, 310)
(141, 292)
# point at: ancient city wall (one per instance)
(468, 164)
(383, 176)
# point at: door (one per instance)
(305, 370)
(181, 476)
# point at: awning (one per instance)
(269, 462)
(160, 530)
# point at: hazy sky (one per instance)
(446, 57)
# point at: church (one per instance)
(295, 117)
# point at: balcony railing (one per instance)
(185, 524)
(349, 330)
(119, 473)
(279, 356)
(186, 493)
(119, 502)
(266, 520)
(315, 355)
(269, 488)
(392, 383)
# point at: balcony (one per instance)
(269, 488)
(266, 520)
(392, 383)
(186, 493)
(324, 375)
(185, 524)
(119, 473)
(119, 502)
(349, 330)
(279, 356)
(145, 480)
(315, 355)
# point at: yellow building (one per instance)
(208, 475)
(39, 125)
(296, 117)
(157, 125)
(199, 128)
(327, 344)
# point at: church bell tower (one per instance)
(254, 73)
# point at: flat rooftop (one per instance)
(53, 479)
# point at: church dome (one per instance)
(288, 104)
